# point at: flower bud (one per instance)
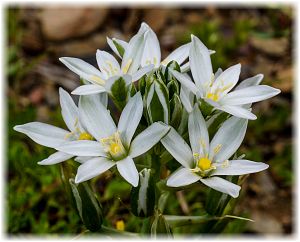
(143, 196)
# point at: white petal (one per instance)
(252, 81)
(133, 54)
(128, 171)
(227, 139)
(107, 64)
(218, 73)
(238, 111)
(43, 134)
(55, 158)
(69, 110)
(82, 159)
(182, 177)
(151, 53)
(198, 133)
(227, 79)
(88, 89)
(96, 118)
(179, 55)
(222, 185)
(239, 167)
(163, 99)
(93, 168)
(82, 68)
(185, 81)
(250, 95)
(130, 118)
(187, 98)
(141, 72)
(200, 63)
(108, 84)
(82, 148)
(148, 138)
(178, 148)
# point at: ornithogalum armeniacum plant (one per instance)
(178, 126)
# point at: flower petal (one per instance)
(56, 158)
(88, 89)
(249, 95)
(82, 159)
(141, 72)
(128, 171)
(222, 185)
(179, 55)
(93, 168)
(108, 65)
(178, 148)
(148, 138)
(82, 148)
(227, 139)
(200, 63)
(227, 80)
(182, 177)
(130, 118)
(185, 81)
(187, 98)
(238, 111)
(252, 81)
(111, 44)
(96, 118)
(198, 133)
(43, 134)
(83, 69)
(239, 167)
(151, 53)
(133, 53)
(69, 110)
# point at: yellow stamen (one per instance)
(113, 145)
(120, 225)
(115, 148)
(98, 80)
(85, 136)
(154, 60)
(126, 67)
(212, 96)
(204, 164)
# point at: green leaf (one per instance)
(176, 111)
(87, 205)
(160, 226)
(120, 49)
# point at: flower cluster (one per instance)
(177, 106)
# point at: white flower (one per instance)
(205, 160)
(113, 145)
(110, 70)
(215, 89)
(152, 52)
(51, 136)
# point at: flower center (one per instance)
(85, 136)
(113, 146)
(212, 96)
(204, 164)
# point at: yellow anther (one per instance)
(113, 145)
(120, 225)
(85, 136)
(212, 96)
(204, 164)
(111, 67)
(154, 60)
(68, 135)
(98, 80)
(217, 149)
(126, 67)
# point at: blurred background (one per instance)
(261, 39)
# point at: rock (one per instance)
(156, 18)
(79, 48)
(273, 47)
(63, 23)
